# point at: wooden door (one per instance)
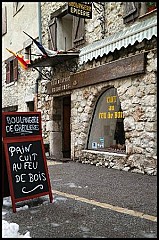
(66, 127)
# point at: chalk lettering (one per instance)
(17, 166)
(38, 186)
(20, 178)
(30, 165)
(9, 128)
(20, 119)
(29, 157)
(36, 177)
(18, 150)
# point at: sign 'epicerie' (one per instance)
(80, 9)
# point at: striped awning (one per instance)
(129, 35)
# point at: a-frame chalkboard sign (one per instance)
(25, 158)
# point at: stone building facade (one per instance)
(116, 60)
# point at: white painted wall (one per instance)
(25, 20)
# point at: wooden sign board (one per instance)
(121, 68)
(27, 169)
(103, 73)
(22, 124)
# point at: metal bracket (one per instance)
(70, 65)
(47, 73)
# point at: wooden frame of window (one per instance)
(78, 29)
(11, 70)
(131, 11)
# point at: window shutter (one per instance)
(4, 20)
(7, 72)
(78, 31)
(131, 11)
(53, 35)
(15, 69)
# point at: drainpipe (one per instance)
(40, 40)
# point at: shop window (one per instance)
(65, 31)
(107, 126)
(11, 70)
(4, 20)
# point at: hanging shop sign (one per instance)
(80, 9)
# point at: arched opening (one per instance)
(106, 131)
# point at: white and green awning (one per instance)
(137, 32)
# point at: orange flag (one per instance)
(21, 61)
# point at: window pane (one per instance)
(107, 127)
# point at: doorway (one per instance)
(66, 134)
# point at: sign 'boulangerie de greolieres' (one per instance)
(80, 9)
(21, 124)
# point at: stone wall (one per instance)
(137, 96)
(21, 91)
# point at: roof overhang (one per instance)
(59, 58)
(144, 29)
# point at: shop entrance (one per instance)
(66, 135)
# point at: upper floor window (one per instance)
(147, 7)
(30, 106)
(27, 49)
(17, 7)
(107, 125)
(11, 70)
(133, 10)
(13, 108)
(65, 31)
(28, 53)
(4, 20)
